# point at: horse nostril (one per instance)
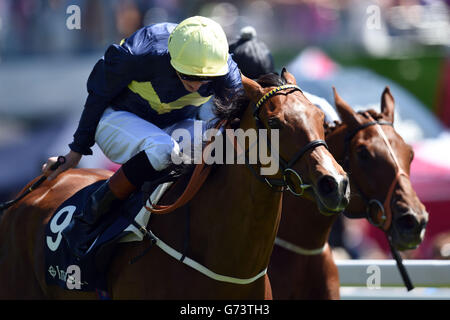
(407, 222)
(327, 185)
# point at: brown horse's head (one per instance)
(378, 162)
(305, 163)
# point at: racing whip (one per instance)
(3, 206)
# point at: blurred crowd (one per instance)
(39, 26)
(381, 28)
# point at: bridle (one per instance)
(385, 214)
(384, 217)
(286, 182)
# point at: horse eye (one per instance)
(363, 153)
(411, 156)
(274, 123)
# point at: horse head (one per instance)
(306, 166)
(378, 162)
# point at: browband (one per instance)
(272, 92)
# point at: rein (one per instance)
(201, 172)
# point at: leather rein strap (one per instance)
(201, 172)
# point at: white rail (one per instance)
(423, 273)
(380, 279)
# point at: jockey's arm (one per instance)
(109, 77)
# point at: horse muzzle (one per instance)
(408, 230)
(332, 194)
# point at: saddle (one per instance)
(123, 224)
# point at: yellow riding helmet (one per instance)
(198, 46)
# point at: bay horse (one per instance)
(377, 161)
(233, 220)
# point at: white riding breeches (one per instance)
(121, 135)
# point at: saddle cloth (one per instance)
(88, 273)
(121, 225)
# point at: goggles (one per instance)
(187, 77)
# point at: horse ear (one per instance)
(288, 76)
(252, 88)
(346, 112)
(387, 104)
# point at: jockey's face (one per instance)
(192, 86)
(190, 83)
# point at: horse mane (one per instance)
(232, 108)
(330, 127)
(371, 113)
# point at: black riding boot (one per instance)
(79, 234)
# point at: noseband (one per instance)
(286, 166)
(385, 216)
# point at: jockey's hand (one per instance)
(72, 160)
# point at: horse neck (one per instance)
(233, 222)
(236, 222)
(245, 214)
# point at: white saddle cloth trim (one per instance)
(299, 250)
(144, 215)
(136, 235)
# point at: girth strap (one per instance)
(197, 266)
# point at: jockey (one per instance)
(157, 77)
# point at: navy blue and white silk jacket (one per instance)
(137, 76)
